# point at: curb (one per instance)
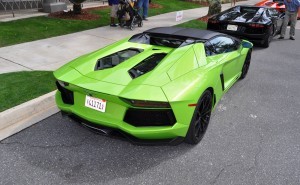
(22, 116)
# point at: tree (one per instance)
(214, 7)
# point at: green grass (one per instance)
(36, 28)
(194, 24)
(19, 87)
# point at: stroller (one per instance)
(128, 15)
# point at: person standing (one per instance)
(291, 11)
(113, 13)
(145, 5)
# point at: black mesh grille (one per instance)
(67, 95)
(143, 117)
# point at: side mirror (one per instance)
(247, 44)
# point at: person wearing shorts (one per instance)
(113, 13)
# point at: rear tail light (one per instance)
(254, 25)
(213, 21)
(66, 95)
(147, 104)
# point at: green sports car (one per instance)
(159, 85)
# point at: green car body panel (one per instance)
(180, 78)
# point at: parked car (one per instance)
(277, 4)
(161, 84)
(254, 23)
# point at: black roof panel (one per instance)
(184, 32)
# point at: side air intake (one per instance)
(146, 65)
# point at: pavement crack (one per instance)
(256, 156)
(215, 180)
(80, 143)
(17, 63)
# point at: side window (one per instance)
(209, 49)
(273, 12)
(223, 44)
(268, 13)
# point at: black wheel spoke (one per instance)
(202, 116)
(200, 119)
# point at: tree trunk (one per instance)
(77, 8)
(214, 7)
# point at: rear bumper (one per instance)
(111, 132)
(256, 38)
(113, 119)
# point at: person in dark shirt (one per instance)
(291, 11)
(113, 13)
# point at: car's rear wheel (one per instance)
(246, 65)
(200, 119)
(268, 38)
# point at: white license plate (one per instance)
(95, 103)
(232, 27)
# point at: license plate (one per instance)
(232, 27)
(95, 103)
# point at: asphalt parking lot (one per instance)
(253, 138)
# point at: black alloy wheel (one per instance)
(200, 119)
(246, 65)
(269, 37)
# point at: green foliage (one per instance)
(194, 24)
(36, 28)
(170, 6)
(19, 87)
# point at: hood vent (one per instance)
(146, 65)
(115, 59)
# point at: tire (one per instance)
(267, 40)
(140, 24)
(246, 65)
(200, 119)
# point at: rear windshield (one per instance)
(249, 9)
(160, 40)
(116, 58)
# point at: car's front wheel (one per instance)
(200, 119)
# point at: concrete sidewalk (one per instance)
(51, 53)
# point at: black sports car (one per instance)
(253, 23)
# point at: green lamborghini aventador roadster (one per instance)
(161, 84)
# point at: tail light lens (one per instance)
(147, 104)
(213, 21)
(254, 25)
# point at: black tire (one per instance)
(200, 119)
(269, 37)
(246, 65)
(140, 24)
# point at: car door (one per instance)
(224, 51)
